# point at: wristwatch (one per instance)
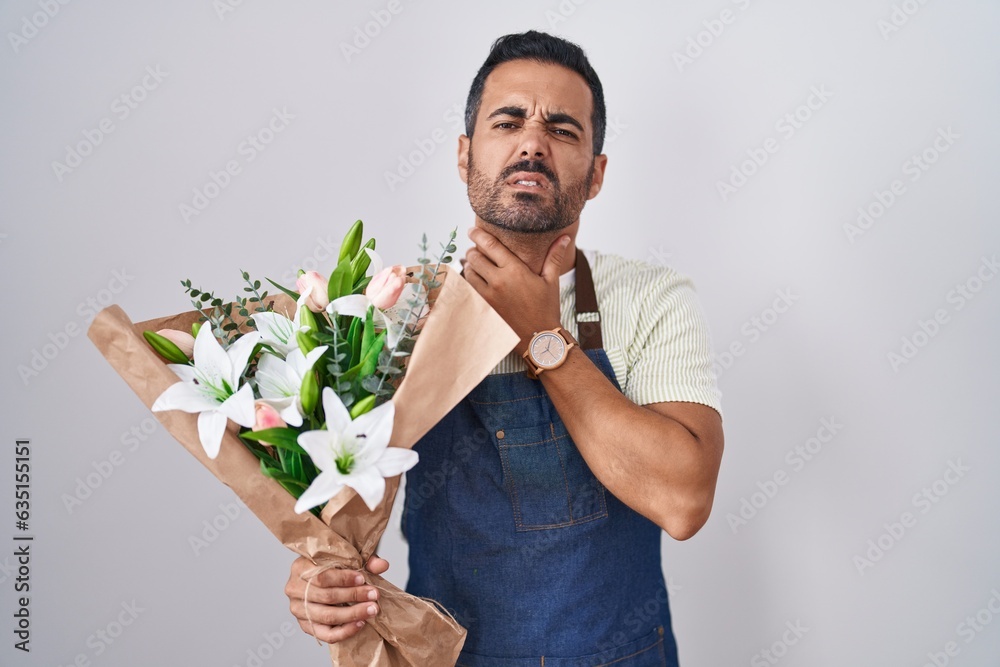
(547, 350)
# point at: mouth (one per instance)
(528, 181)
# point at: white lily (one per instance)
(278, 331)
(279, 381)
(209, 387)
(356, 305)
(352, 453)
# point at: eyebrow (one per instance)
(521, 112)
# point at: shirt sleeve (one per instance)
(670, 356)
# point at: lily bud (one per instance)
(308, 320)
(309, 393)
(317, 300)
(182, 339)
(386, 286)
(352, 242)
(361, 407)
(306, 342)
(266, 417)
(166, 348)
(195, 328)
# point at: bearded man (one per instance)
(554, 479)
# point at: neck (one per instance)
(533, 248)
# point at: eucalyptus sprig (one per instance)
(428, 281)
(225, 331)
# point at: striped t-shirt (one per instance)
(654, 331)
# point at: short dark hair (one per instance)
(543, 48)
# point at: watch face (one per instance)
(547, 349)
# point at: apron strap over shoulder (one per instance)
(588, 318)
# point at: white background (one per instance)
(676, 130)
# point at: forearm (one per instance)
(653, 463)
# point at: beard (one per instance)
(527, 212)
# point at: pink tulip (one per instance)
(318, 298)
(181, 339)
(386, 286)
(267, 417)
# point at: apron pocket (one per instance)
(549, 483)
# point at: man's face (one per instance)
(530, 165)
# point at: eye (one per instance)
(564, 133)
(506, 125)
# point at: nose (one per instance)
(534, 142)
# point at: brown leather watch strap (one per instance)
(588, 318)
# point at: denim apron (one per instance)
(510, 531)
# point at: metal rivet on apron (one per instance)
(500, 434)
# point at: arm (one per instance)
(660, 459)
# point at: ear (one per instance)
(600, 164)
(463, 158)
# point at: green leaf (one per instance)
(370, 361)
(368, 339)
(294, 295)
(361, 261)
(165, 348)
(341, 280)
(360, 285)
(292, 485)
(282, 438)
(262, 454)
(354, 338)
(291, 463)
(389, 370)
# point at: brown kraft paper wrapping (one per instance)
(462, 339)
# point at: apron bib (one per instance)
(509, 529)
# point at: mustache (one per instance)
(529, 166)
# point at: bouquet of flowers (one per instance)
(307, 403)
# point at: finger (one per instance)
(490, 246)
(553, 264)
(481, 264)
(331, 634)
(475, 279)
(377, 565)
(330, 577)
(329, 615)
(335, 578)
(338, 595)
